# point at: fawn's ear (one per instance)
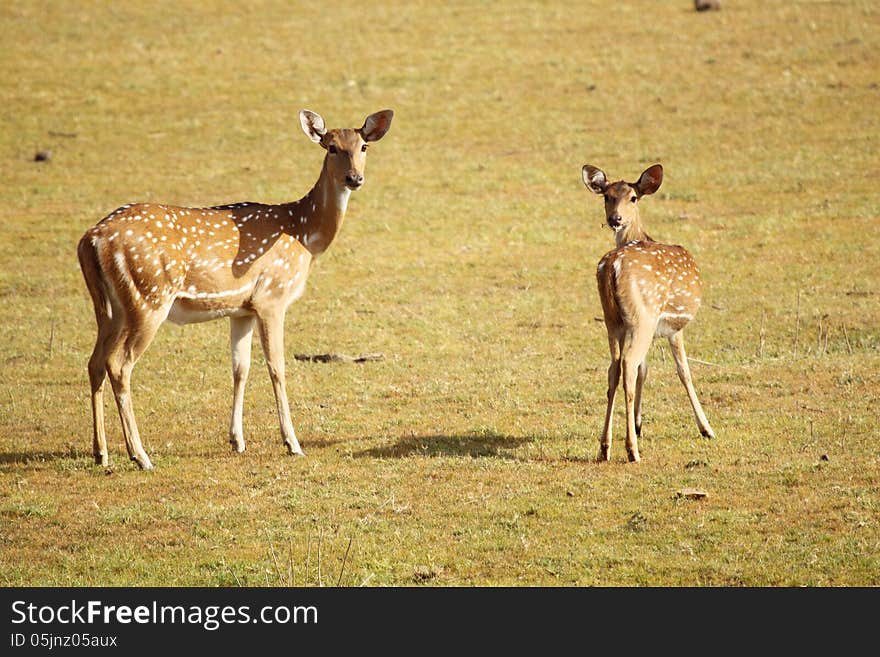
(376, 125)
(649, 181)
(595, 179)
(312, 125)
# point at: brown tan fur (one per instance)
(147, 263)
(647, 289)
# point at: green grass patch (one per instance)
(466, 456)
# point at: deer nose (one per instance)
(614, 220)
(354, 180)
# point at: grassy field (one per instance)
(466, 455)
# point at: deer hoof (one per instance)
(143, 462)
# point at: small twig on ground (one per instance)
(846, 337)
(702, 362)
(367, 579)
(338, 358)
(289, 562)
(320, 543)
(231, 572)
(761, 336)
(344, 559)
(308, 554)
(797, 324)
(51, 337)
(655, 347)
(275, 560)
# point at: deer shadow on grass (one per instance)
(472, 445)
(10, 460)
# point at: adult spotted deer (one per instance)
(647, 289)
(147, 263)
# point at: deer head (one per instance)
(622, 198)
(346, 148)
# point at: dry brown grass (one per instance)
(465, 457)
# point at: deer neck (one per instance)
(633, 232)
(316, 218)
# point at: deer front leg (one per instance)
(241, 331)
(272, 339)
(613, 381)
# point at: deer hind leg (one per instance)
(109, 331)
(241, 331)
(635, 348)
(272, 338)
(120, 363)
(613, 381)
(640, 384)
(676, 343)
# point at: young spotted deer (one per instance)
(147, 263)
(647, 289)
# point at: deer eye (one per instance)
(332, 149)
(364, 148)
(633, 199)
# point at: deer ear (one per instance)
(376, 125)
(649, 181)
(594, 179)
(312, 125)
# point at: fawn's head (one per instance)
(346, 147)
(622, 198)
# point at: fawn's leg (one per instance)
(640, 384)
(635, 347)
(613, 381)
(676, 343)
